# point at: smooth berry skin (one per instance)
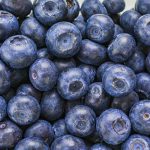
(18, 51)
(9, 25)
(100, 28)
(97, 98)
(3, 108)
(137, 141)
(118, 30)
(10, 134)
(80, 121)
(140, 117)
(9, 94)
(31, 28)
(91, 7)
(119, 80)
(100, 147)
(52, 106)
(49, 12)
(23, 110)
(121, 48)
(41, 129)
(43, 74)
(92, 53)
(31, 143)
(43, 53)
(114, 126)
(148, 62)
(72, 84)
(63, 40)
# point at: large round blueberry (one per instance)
(100, 147)
(72, 84)
(114, 126)
(118, 30)
(43, 74)
(100, 28)
(18, 51)
(140, 117)
(23, 110)
(92, 53)
(63, 40)
(10, 134)
(119, 80)
(3, 107)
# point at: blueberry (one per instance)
(118, 30)
(100, 28)
(114, 6)
(41, 129)
(140, 117)
(33, 29)
(9, 94)
(121, 48)
(31, 143)
(68, 142)
(114, 126)
(97, 98)
(63, 40)
(10, 134)
(49, 12)
(80, 121)
(3, 107)
(100, 147)
(43, 53)
(72, 84)
(52, 106)
(23, 110)
(119, 80)
(148, 62)
(18, 51)
(43, 74)
(9, 25)
(91, 7)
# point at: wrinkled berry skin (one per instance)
(3, 108)
(68, 142)
(118, 30)
(52, 106)
(91, 7)
(97, 98)
(148, 62)
(18, 51)
(23, 110)
(41, 129)
(140, 117)
(100, 147)
(43, 74)
(63, 40)
(114, 126)
(49, 12)
(121, 48)
(119, 80)
(31, 143)
(80, 121)
(10, 134)
(9, 25)
(34, 30)
(43, 53)
(92, 53)
(72, 84)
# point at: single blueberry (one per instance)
(44, 53)
(3, 108)
(118, 30)
(100, 147)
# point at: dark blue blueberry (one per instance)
(72, 84)
(18, 51)
(63, 40)
(121, 48)
(92, 53)
(23, 110)
(114, 126)
(52, 106)
(9, 25)
(43, 74)
(31, 143)
(80, 121)
(10, 134)
(49, 12)
(100, 28)
(41, 129)
(140, 117)
(97, 98)
(119, 80)
(33, 29)
(125, 103)
(114, 6)
(118, 30)
(148, 62)
(68, 142)
(9, 94)
(3, 108)
(43, 53)
(100, 147)
(91, 7)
